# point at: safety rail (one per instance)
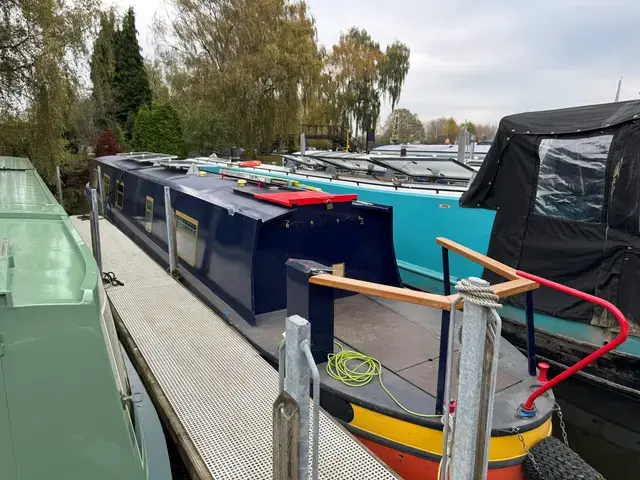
(441, 302)
(529, 407)
(513, 286)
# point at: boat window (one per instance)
(94, 180)
(106, 186)
(119, 194)
(571, 179)
(148, 214)
(186, 237)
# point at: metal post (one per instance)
(95, 230)
(531, 334)
(461, 149)
(102, 195)
(444, 334)
(171, 231)
(59, 186)
(472, 147)
(296, 382)
(303, 144)
(468, 414)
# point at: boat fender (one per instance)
(250, 163)
(556, 461)
(242, 183)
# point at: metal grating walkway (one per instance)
(220, 389)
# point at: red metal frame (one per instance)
(622, 336)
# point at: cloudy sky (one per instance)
(483, 59)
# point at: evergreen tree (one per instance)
(131, 85)
(157, 129)
(103, 68)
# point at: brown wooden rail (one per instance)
(513, 286)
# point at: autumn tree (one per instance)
(130, 82)
(471, 127)
(402, 126)
(237, 70)
(41, 45)
(451, 129)
(486, 131)
(363, 75)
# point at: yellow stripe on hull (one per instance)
(426, 439)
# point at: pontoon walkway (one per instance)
(211, 386)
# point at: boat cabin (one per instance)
(565, 185)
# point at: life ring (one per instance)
(250, 163)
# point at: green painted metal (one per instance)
(61, 414)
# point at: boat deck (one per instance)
(213, 389)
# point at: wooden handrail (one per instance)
(513, 286)
(493, 265)
(384, 291)
(504, 290)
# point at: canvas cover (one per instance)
(565, 185)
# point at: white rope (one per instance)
(480, 295)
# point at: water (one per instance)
(603, 427)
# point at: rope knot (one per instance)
(482, 295)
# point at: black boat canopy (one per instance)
(565, 185)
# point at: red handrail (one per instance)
(622, 336)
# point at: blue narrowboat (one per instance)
(557, 196)
(250, 251)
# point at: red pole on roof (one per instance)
(620, 338)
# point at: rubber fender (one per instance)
(557, 462)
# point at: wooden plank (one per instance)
(506, 289)
(384, 291)
(493, 265)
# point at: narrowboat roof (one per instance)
(210, 188)
(571, 120)
(40, 261)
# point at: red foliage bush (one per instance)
(107, 144)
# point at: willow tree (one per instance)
(237, 69)
(364, 75)
(41, 42)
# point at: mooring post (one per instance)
(462, 144)
(469, 417)
(95, 229)
(291, 442)
(171, 232)
(59, 186)
(303, 144)
(102, 195)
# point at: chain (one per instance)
(562, 426)
(529, 454)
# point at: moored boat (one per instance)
(234, 241)
(66, 406)
(576, 228)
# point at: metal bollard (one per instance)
(59, 186)
(476, 389)
(303, 144)
(95, 229)
(296, 368)
(171, 232)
